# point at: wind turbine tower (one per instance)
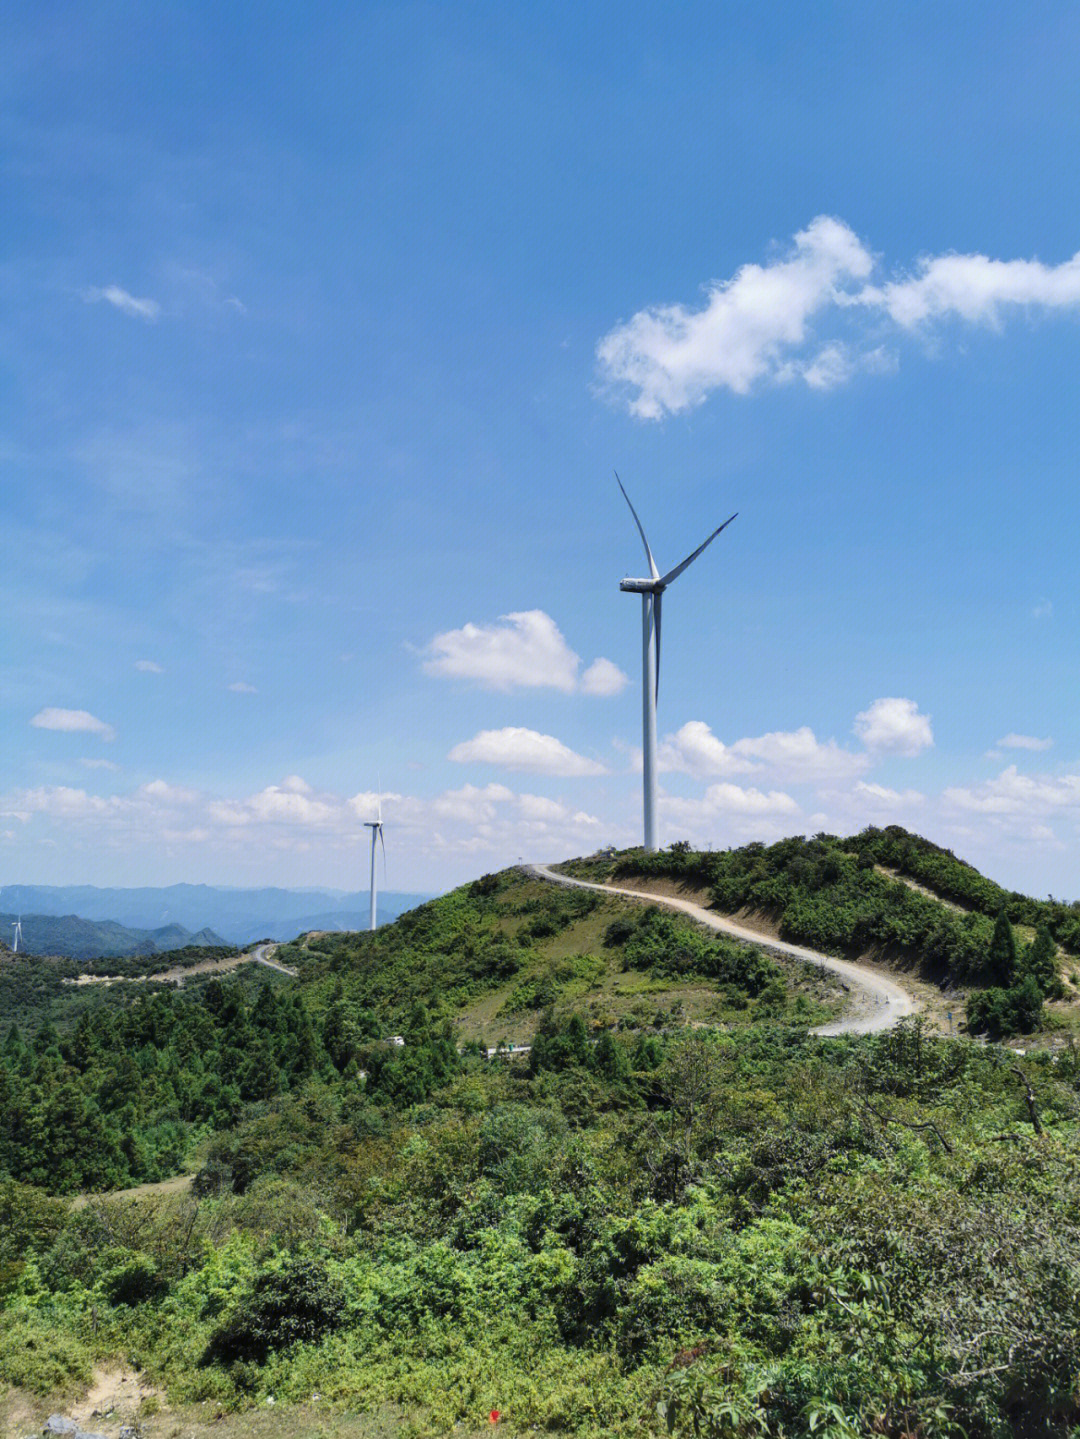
(651, 591)
(376, 827)
(17, 927)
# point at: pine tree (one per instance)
(1040, 962)
(1001, 956)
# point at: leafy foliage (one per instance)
(830, 894)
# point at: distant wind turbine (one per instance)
(651, 591)
(376, 827)
(16, 925)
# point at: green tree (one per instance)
(1040, 962)
(1001, 955)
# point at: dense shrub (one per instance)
(297, 1303)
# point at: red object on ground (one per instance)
(494, 1416)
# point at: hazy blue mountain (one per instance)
(239, 915)
(78, 938)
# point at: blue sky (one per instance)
(324, 327)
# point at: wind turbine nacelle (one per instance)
(640, 587)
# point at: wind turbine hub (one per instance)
(642, 587)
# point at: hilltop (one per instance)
(888, 897)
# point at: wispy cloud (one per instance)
(149, 667)
(241, 687)
(1024, 741)
(771, 322)
(1016, 794)
(73, 722)
(122, 300)
(524, 650)
(516, 748)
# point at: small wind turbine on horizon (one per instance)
(16, 925)
(376, 827)
(651, 590)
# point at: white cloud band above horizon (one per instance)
(769, 323)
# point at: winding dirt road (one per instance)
(878, 1002)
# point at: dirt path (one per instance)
(879, 1002)
(259, 955)
(178, 1184)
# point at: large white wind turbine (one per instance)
(17, 927)
(376, 827)
(651, 590)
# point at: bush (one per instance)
(35, 1355)
(134, 1281)
(1000, 1013)
(296, 1304)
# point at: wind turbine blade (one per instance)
(656, 624)
(677, 571)
(652, 563)
(382, 841)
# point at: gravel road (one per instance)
(878, 1003)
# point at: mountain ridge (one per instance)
(238, 915)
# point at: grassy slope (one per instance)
(493, 962)
(884, 896)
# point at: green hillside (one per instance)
(49, 989)
(678, 1212)
(890, 895)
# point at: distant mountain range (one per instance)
(239, 915)
(76, 938)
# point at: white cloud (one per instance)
(277, 804)
(538, 806)
(99, 764)
(894, 726)
(517, 748)
(879, 794)
(241, 687)
(603, 678)
(759, 326)
(366, 804)
(976, 288)
(673, 357)
(792, 755)
(732, 799)
(1014, 794)
(149, 667)
(159, 789)
(1024, 741)
(726, 812)
(128, 304)
(694, 749)
(1044, 610)
(800, 755)
(471, 804)
(471, 828)
(525, 649)
(73, 722)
